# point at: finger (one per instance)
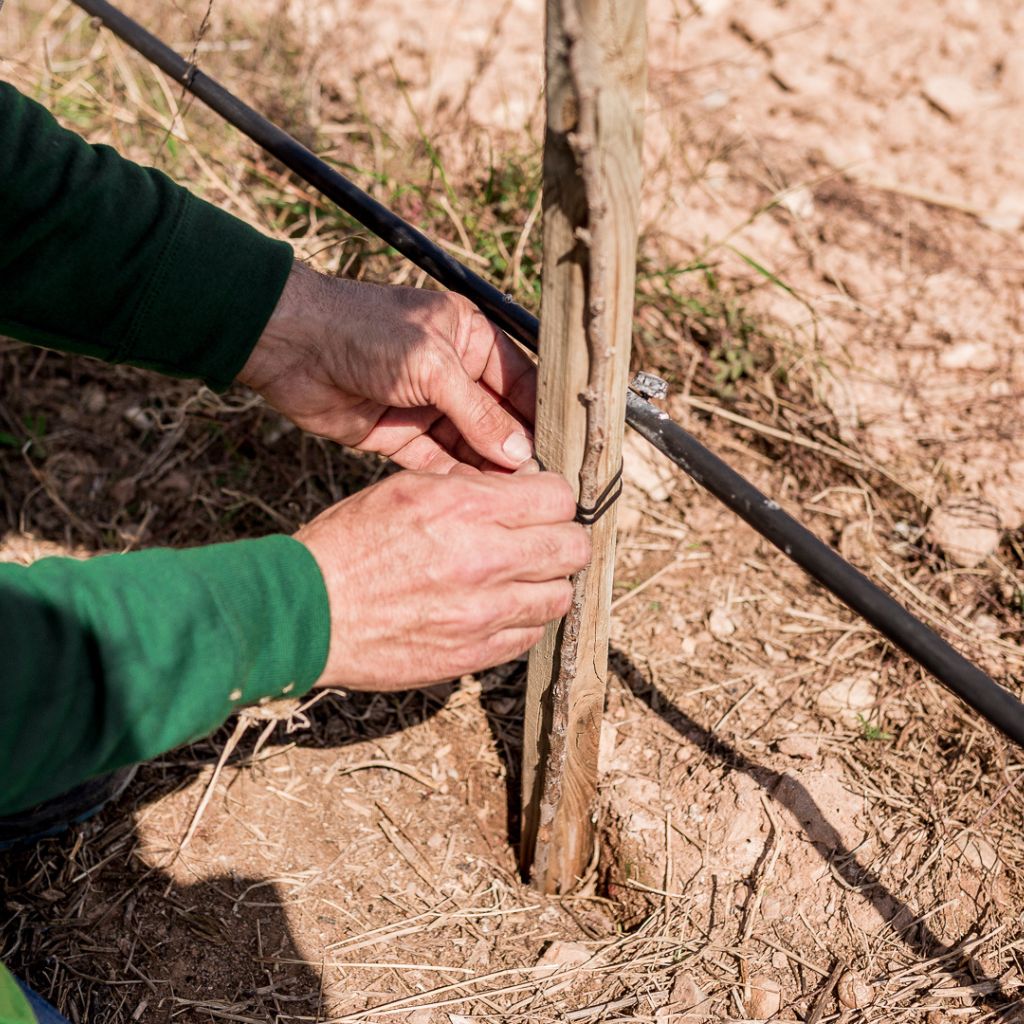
(397, 427)
(537, 604)
(509, 644)
(449, 437)
(534, 554)
(525, 605)
(530, 499)
(486, 426)
(425, 455)
(549, 552)
(526, 421)
(510, 373)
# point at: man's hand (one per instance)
(429, 578)
(420, 376)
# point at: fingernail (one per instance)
(517, 447)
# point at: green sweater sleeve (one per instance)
(106, 258)
(122, 657)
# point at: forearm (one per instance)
(122, 657)
(106, 258)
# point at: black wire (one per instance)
(833, 572)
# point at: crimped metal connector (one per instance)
(649, 385)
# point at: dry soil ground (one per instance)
(797, 822)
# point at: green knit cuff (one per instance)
(278, 583)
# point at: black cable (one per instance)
(833, 572)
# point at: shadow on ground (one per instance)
(103, 944)
(786, 791)
(128, 942)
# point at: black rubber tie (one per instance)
(605, 500)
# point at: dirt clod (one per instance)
(799, 746)
(966, 529)
(765, 998)
(560, 955)
(854, 992)
(953, 95)
(849, 698)
(687, 1002)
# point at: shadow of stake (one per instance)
(785, 790)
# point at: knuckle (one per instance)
(547, 549)
(471, 617)
(480, 564)
(461, 307)
(504, 647)
(458, 314)
(531, 637)
(472, 498)
(563, 600)
(580, 548)
(402, 490)
(436, 365)
(563, 501)
(488, 415)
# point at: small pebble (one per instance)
(562, 955)
(765, 997)
(953, 95)
(720, 624)
(799, 746)
(854, 992)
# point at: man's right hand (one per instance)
(430, 577)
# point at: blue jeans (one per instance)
(45, 1013)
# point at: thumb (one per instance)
(486, 427)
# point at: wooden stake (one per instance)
(596, 74)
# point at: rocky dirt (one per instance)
(797, 823)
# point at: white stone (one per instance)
(967, 530)
(1007, 214)
(563, 955)
(765, 997)
(799, 202)
(969, 355)
(953, 95)
(848, 699)
(720, 623)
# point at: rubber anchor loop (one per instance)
(605, 500)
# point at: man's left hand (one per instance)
(419, 376)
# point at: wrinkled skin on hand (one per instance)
(419, 376)
(430, 577)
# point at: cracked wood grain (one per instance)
(596, 76)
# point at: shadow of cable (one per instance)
(785, 790)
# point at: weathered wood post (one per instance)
(596, 75)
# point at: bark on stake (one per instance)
(596, 73)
